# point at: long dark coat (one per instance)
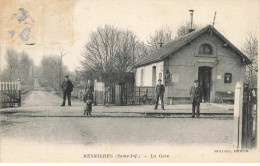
(67, 86)
(196, 93)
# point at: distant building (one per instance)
(203, 54)
(36, 84)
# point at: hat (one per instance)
(159, 80)
(196, 81)
(67, 76)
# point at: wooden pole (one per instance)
(237, 137)
(214, 19)
(95, 88)
(139, 95)
(19, 92)
(245, 116)
(125, 95)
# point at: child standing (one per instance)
(88, 105)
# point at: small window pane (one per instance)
(160, 75)
(205, 49)
(228, 78)
(201, 50)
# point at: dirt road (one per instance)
(43, 130)
(43, 119)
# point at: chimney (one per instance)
(191, 20)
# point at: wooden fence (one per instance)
(10, 93)
(138, 95)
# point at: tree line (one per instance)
(112, 52)
(20, 65)
(108, 56)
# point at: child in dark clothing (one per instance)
(88, 105)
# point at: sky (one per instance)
(57, 25)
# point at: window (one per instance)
(228, 78)
(160, 75)
(154, 76)
(167, 74)
(205, 49)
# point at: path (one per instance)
(43, 119)
(42, 122)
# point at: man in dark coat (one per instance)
(159, 91)
(196, 98)
(67, 88)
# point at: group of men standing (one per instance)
(196, 94)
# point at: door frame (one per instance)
(213, 65)
(210, 78)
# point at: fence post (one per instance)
(126, 95)
(238, 104)
(1, 99)
(95, 82)
(104, 93)
(19, 91)
(245, 118)
(257, 120)
(139, 95)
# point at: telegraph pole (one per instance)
(214, 19)
(61, 55)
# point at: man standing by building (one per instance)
(196, 98)
(159, 91)
(67, 88)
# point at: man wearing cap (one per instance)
(159, 91)
(67, 88)
(196, 98)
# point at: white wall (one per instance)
(148, 73)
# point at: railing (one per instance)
(110, 94)
(137, 95)
(10, 93)
(8, 85)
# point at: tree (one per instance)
(142, 50)
(50, 68)
(18, 65)
(184, 29)
(110, 54)
(12, 64)
(251, 50)
(163, 36)
(25, 68)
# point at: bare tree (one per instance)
(62, 54)
(251, 50)
(18, 65)
(25, 68)
(184, 29)
(142, 50)
(50, 68)
(164, 35)
(160, 37)
(110, 53)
